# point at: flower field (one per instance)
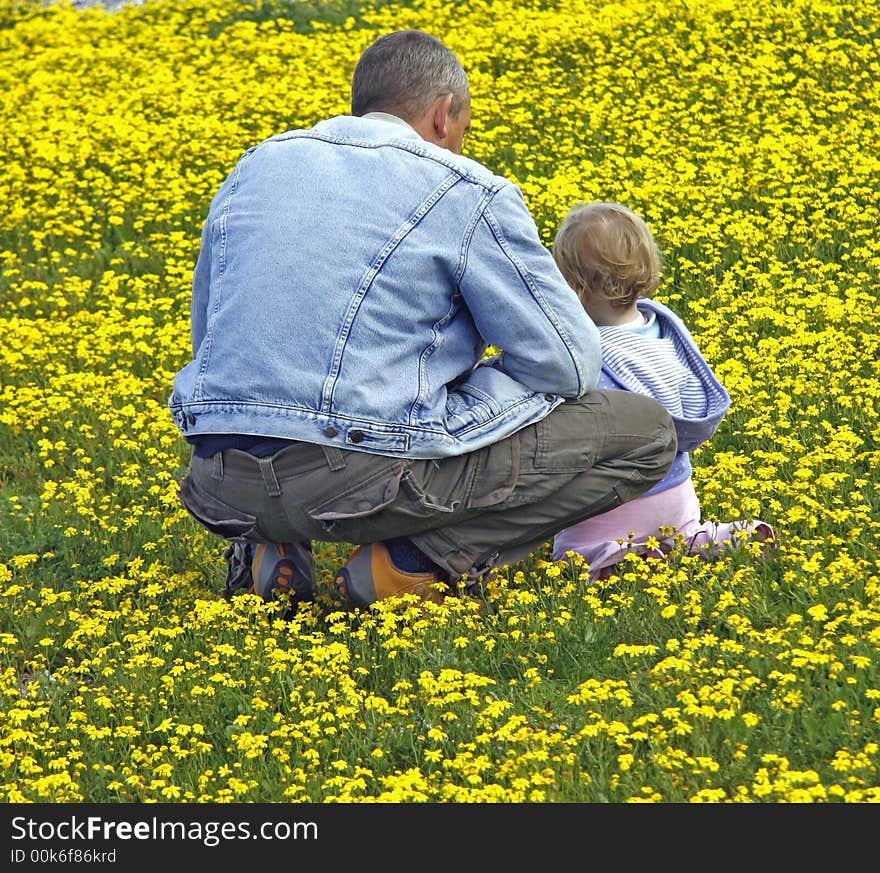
(747, 135)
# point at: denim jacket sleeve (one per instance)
(521, 303)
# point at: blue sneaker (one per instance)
(272, 570)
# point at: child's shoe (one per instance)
(761, 532)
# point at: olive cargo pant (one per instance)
(467, 513)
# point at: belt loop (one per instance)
(269, 477)
(217, 469)
(334, 458)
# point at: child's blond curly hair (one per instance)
(607, 249)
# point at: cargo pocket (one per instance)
(216, 516)
(569, 438)
(497, 474)
(360, 499)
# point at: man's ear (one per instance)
(441, 115)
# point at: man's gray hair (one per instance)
(403, 73)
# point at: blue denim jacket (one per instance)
(349, 281)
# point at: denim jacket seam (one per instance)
(375, 268)
(462, 263)
(468, 235)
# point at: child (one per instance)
(607, 254)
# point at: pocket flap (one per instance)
(367, 497)
(214, 515)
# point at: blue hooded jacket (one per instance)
(671, 369)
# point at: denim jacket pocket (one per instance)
(216, 516)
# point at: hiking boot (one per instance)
(271, 570)
(370, 575)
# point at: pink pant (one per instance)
(605, 539)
